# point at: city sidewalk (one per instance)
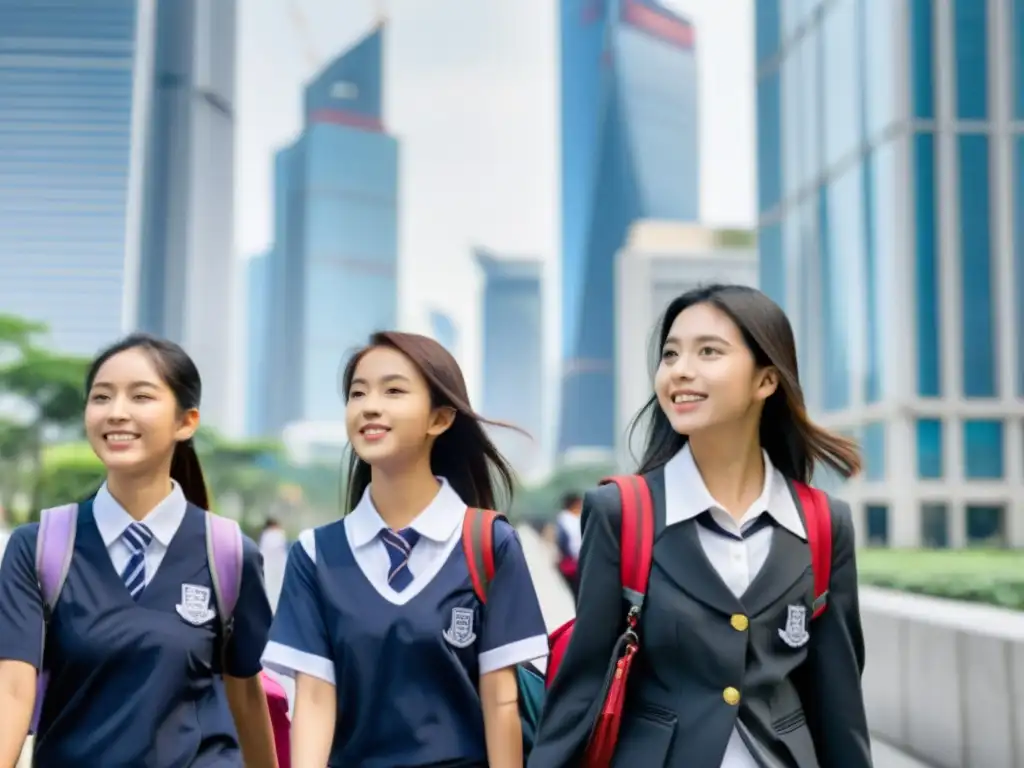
(557, 605)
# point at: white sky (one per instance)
(472, 92)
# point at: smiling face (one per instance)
(707, 375)
(389, 414)
(132, 419)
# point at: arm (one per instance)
(21, 642)
(830, 680)
(299, 647)
(573, 700)
(246, 697)
(512, 633)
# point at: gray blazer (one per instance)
(700, 646)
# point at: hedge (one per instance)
(994, 577)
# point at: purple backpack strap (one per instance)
(55, 544)
(224, 554)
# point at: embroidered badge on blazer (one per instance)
(795, 633)
(195, 604)
(460, 634)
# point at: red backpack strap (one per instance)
(637, 537)
(818, 517)
(478, 544)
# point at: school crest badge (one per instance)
(195, 604)
(795, 633)
(460, 634)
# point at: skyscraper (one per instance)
(187, 271)
(629, 151)
(257, 331)
(444, 330)
(513, 374)
(890, 195)
(116, 174)
(333, 266)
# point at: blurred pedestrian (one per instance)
(396, 662)
(569, 538)
(133, 638)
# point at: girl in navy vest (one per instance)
(731, 670)
(134, 668)
(396, 662)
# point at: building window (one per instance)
(926, 268)
(1017, 64)
(1018, 190)
(983, 450)
(877, 518)
(769, 149)
(767, 21)
(970, 20)
(873, 379)
(986, 525)
(922, 85)
(929, 449)
(874, 451)
(978, 322)
(772, 264)
(934, 526)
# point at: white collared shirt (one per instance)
(439, 526)
(737, 562)
(163, 521)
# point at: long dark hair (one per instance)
(463, 454)
(181, 376)
(793, 442)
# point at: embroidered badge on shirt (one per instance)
(195, 604)
(795, 633)
(460, 633)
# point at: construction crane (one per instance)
(300, 23)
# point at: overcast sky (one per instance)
(472, 94)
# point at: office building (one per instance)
(513, 375)
(257, 331)
(334, 261)
(116, 176)
(629, 151)
(890, 153)
(660, 261)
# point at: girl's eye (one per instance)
(143, 397)
(667, 353)
(395, 391)
(705, 351)
(354, 395)
(98, 398)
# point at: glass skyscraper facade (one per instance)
(257, 331)
(513, 374)
(67, 91)
(629, 151)
(891, 187)
(444, 330)
(333, 265)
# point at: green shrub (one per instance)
(993, 577)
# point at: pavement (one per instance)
(556, 604)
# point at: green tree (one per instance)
(242, 469)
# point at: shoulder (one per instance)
(22, 541)
(251, 554)
(842, 522)
(602, 503)
(505, 535)
(308, 538)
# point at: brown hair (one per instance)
(793, 442)
(464, 455)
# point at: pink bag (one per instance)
(277, 702)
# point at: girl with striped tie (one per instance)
(396, 662)
(133, 644)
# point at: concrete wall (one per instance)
(945, 680)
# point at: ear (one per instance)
(440, 420)
(188, 426)
(767, 383)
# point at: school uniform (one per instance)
(400, 633)
(134, 681)
(731, 671)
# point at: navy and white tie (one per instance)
(138, 537)
(399, 545)
(706, 520)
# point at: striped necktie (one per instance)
(706, 520)
(138, 537)
(399, 545)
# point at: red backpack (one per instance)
(636, 542)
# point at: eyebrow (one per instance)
(133, 385)
(384, 380)
(703, 339)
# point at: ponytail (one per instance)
(188, 473)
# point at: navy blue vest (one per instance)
(406, 697)
(133, 684)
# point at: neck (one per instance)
(139, 495)
(734, 478)
(401, 494)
